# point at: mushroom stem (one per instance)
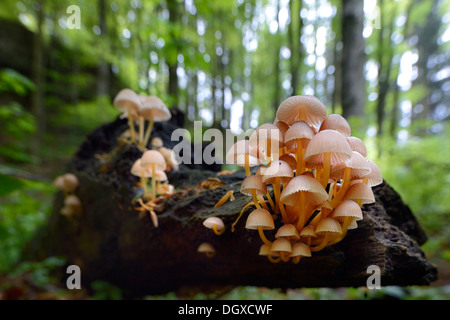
(217, 231)
(299, 157)
(279, 205)
(131, 125)
(322, 244)
(247, 165)
(148, 132)
(269, 198)
(284, 256)
(141, 130)
(153, 181)
(273, 259)
(262, 235)
(224, 199)
(296, 259)
(269, 147)
(240, 215)
(302, 211)
(345, 184)
(326, 169)
(255, 199)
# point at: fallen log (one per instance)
(109, 242)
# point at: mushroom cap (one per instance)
(264, 250)
(260, 218)
(138, 170)
(236, 154)
(348, 208)
(302, 108)
(316, 194)
(360, 191)
(300, 249)
(153, 157)
(328, 225)
(327, 141)
(156, 142)
(338, 123)
(258, 139)
(170, 157)
(290, 159)
(277, 169)
(283, 126)
(358, 164)
(206, 247)
(72, 201)
(308, 231)
(126, 100)
(58, 183)
(253, 182)
(66, 182)
(352, 225)
(374, 177)
(298, 130)
(153, 107)
(357, 145)
(281, 245)
(160, 175)
(210, 222)
(287, 230)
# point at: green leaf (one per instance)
(9, 184)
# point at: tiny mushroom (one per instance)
(299, 250)
(260, 219)
(326, 228)
(129, 103)
(216, 224)
(153, 110)
(282, 246)
(207, 249)
(298, 137)
(254, 186)
(153, 160)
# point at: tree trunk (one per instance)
(172, 65)
(37, 100)
(109, 242)
(103, 67)
(353, 59)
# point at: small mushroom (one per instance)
(207, 249)
(297, 137)
(300, 250)
(243, 155)
(273, 257)
(254, 186)
(128, 102)
(260, 219)
(283, 247)
(152, 109)
(336, 122)
(327, 228)
(302, 108)
(153, 160)
(216, 224)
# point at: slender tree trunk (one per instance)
(276, 67)
(353, 59)
(37, 103)
(102, 69)
(174, 18)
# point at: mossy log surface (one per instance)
(110, 243)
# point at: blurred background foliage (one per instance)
(229, 64)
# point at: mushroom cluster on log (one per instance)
(110, 241)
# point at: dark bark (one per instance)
(353, 59)
(110, 243)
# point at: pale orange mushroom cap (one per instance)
(374, 177)
(260, 218)
(236, 154)
(338, 123)
(298, 130)
(358, 164)
(207, 249)
(316, 194)
(302, 108)
(287, 230)
(300, 249)
(360, 191)
(357, 145)
(210, 222)
(281, 245)
(290, 160)
(153, 157)
(277, 169)
(308, 231)
(127, 99)
(348, 208)
(253, 182)
(328, 225)
(258, 139)
(153, 107)
(327, 141)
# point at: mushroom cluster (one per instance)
(141, 108)
(67, 183)
(319, 175)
